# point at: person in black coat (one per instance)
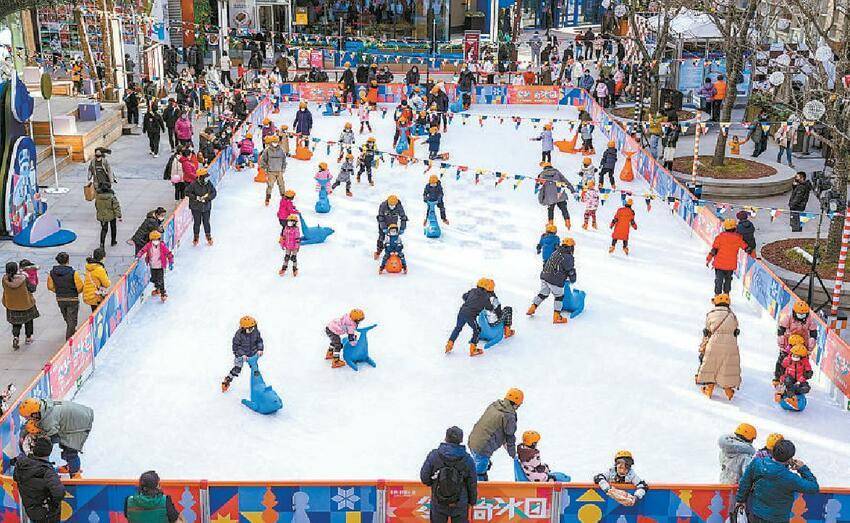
(153, 222)
(465, 83)
(247, 343)
(438, 100)
(67, 284)
(747, 231)
(607, 165)
(38, 483)
(391, 211)
(474, 301)
(411, 78)
(347, 81)
(170, 116)
(362, 74)
(434, 193)
(201, 193)
(450, 472)
(131, 101)
(559, 268)
(800, 189)
(153, 125)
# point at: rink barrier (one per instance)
(758, 280)
(75, 361)
(409, 501)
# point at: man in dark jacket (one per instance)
(153, 222)
(411, 78)
(131, 101)
(362, 74)
(389, 212)
(800, 189)
(303, 123)
(240, 106)
(170, 116)
(559, 268)
(434, 193)
(771, 485)
(38, 483)
(496, 428)
(67, 284)
(201, 193)
(747, 231)
(450, 472)
(153, 125)
(608, 163)
(247, 343)
(465, 82)
(474, 301)
(347, 82)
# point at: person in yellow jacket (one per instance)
(96, 282)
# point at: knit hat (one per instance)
(742, 215)
(783, 451)
(42, 447)
(454, 435)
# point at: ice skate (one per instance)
(155, 292)
(225, 385)
(337, 363)
(626, 251)
(708, 390)
(730, 392)
(611, 250)
(209, 241)
(474, 350)
(449, 346)
(329, 355)
(163, 297)
(557, 318)
(282, 271)
(567, 223)
(508, 332)
(294, 271)
(268, 200)
(531, 310)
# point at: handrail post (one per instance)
(555, 516)
(205, 501)
(380, 501)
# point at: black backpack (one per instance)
(449, 483)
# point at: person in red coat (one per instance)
(623, 222)
(798, 370)
(724, 255)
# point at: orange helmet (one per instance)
(801, 307)
(515, 396)
(29, 406)
(530, 437)
(356, 315)
(246, 322)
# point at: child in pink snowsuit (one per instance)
(323, 176)
(290, 242)
(30, 270)
(286, 207)
(799, 320)
(590, 198)
(246, 151)
(345, 325)
(158, 257)
(363, 113)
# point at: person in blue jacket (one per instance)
(303, 123)
(434, 193)
(247, 342)
(433, 142)
(450, 472)
(770, 485)
(546, 142)
(549, 241)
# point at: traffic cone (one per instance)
(627, 174)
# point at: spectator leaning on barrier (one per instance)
(771, 485)
(496, 428)
(38, 484)
(67, 284)
(450, 472)
(153, 222)
(64, 422)
(149, 504)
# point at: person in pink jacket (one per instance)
(590, 198)
(800, 321)
(246, 152)
(158, 257)
(189, 167)
(286, 207)
(345, 325)
(324, 176)
(290, 242)
(363, 114)
(183, 129)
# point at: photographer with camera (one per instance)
(100, 172)
(770, 484)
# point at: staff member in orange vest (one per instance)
(719, 95)
(724, 253)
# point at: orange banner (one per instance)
(534, 94)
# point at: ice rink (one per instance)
(621, 375)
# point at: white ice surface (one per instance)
(619, 376)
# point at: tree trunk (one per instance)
(106, 40)
(836, 225)
(517, 19)
(84, 43)
(726, 110)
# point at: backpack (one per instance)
(449, 484)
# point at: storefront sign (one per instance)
(471, 46)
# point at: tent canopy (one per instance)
(688, 24)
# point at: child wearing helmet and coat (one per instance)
(286, 208)
(391, 211)
(366, 160)
(346, 141)
(158, 256)
(393, 246)
(559, 268)
(247, 343)
(736, 452)
(345, 325)
(290, 242)
(434, 193)
(529, 459)
(549, 241)
(587, 171)
(546, 143)
(624, 219)
(475, 300)
(622, 472)
(798, 370)
(346, 171)
(590, 198)
(608, 163)
(798, 321)
(323, 177)
(724, 255)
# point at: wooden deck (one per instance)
(89, 135)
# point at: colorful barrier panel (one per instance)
(94, 501)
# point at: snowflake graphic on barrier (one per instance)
(345, 498)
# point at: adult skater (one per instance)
(736, 452)
(496, 428)
(720, 359)
(391, 211)
(201, 193)
(450, 472)
(550, 193)
(475, 300)
(772, 485)
(247, 343)
(38, 483)
(559, 268)
(273, 162)
(724, 255)
(64, 422)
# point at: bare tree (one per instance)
(82, 29)
(824, 87)
(652, 57)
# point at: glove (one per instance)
(171, 266)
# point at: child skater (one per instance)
(608, 163)
(290, 242)
(549, 241)
(363, 114)
(247, 343)
(393, 246)
(586, 133)
(158, 257)
(367, 158)
(324, 175)
(345, 325)
(346, 141)
(587, 171)
(624, 218)
(433, 142)
(346, 170)
(286, 207)
(590, 198)
(434, 193)
(546, 143)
